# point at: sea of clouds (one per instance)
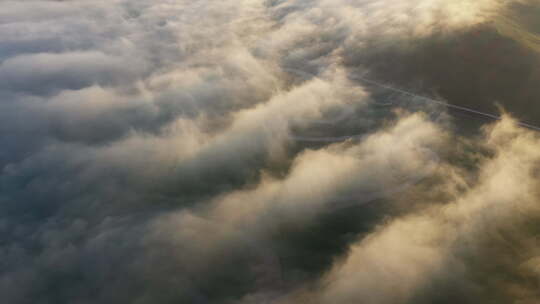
(174, 151)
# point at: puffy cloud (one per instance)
(47, 73)
(228, 152)
(474, 247)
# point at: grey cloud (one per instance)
(50, 73)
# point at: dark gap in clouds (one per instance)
(477, 68)
(526, 13)
(307, 252)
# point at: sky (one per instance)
(269, 151)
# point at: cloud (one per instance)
(47, 73)
(226, 152)
(463, 250)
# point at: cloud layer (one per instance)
(231, 152)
